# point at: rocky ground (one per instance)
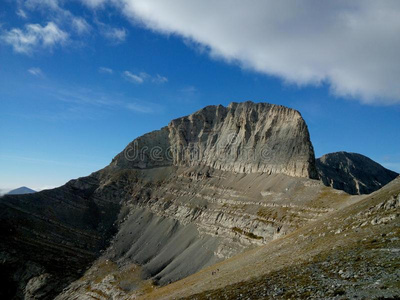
(351, 254)
(346, 274)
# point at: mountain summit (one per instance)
(21, 190)
(353, 173)
(243, 138)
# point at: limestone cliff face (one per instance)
(243, 137)
(354, 173)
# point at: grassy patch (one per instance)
(248, 234)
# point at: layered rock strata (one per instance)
(242, 138)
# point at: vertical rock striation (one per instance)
(243, 138)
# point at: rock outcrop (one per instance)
(351, 254)
(243, 138)
(353, 173)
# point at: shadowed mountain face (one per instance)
(203, 189)
(353, 173)
(49, 237)
(21, 190)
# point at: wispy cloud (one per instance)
(80, 25)
(189, 90)
(35, 72)
(21, 13)
(134, 78)
(104, 70)
(114, 34)
(93, 3)
(63, 26)
(139, 108)
(159, 79)
(34, 4)
(143, 77)
(34, 37)
(82, 100)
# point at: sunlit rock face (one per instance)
(243, 138)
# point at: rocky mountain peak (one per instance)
(353, 172)
(206, 187)
(243, 137)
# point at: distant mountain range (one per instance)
(21, 190)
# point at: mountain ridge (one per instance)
(352, 172)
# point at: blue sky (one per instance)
(79, 80)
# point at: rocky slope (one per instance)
(352, 253)
(177, 226)
(353, 173)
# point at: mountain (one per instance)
(209, 187)
(353, 173)
(241, 138)
(21, 190)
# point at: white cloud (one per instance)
(33, 37)
(189, 90)
(133, 77)
(82, 101)
(35, 72)
(93, 3)
(21, 13)
(142, 77)
(160, 79)
(114, 34)
(54, 11)
(34, 4)
(139, 108)
(353, 46)
(80, 25)
(105, 70)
